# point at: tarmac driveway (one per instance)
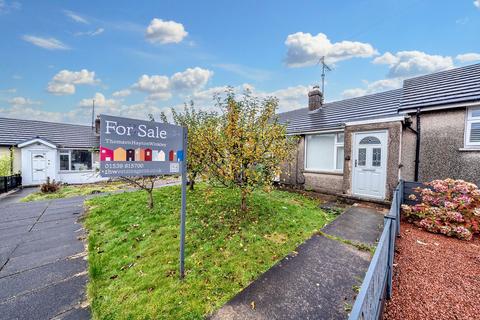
(43, 271)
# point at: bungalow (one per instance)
(360, 147)
(64, 152)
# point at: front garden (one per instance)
(133, 252)
(438, 254)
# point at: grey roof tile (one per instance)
(441, 88)
(333, 115)
(15, 131)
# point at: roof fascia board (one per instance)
(443, 107)
(36, 140)
(316, 132)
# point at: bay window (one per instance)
(472, 130)
(75, 160)
(324, 152)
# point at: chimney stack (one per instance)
(315, 99)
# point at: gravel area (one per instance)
(435, 277)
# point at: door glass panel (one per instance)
(377, 157)
(39, 156)
(362, 156)
(370, 140)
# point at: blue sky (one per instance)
(143, 57)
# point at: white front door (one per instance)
(39, 167)
(370, 164)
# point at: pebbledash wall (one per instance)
(442, 148)
(341, 183)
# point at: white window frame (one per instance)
(470, 119)
(69, 153)
(335, 152)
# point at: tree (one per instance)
(197, 123)
(144, 183)
(247, 146)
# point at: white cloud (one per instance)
(468, 57)
(63, 83)
(413, 63)
(160, 31)
(46, 43)
(9, 90)
(22, 112)
(122, 93)
(191, 79)
(289, 98)
(304, 49)
(476, 3)
(100, 101)
(9, 6)
(373, 87)
(91, 33)
(75, 17)
(22, 101)
(160, 87)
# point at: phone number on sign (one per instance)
(123, 165)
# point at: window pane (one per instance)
(81, 160)
(362, 156)
(64, 162)
(340, 158)
(475, 113)
(340, 137)
(377, 157)
(320, 150)
(475, 132)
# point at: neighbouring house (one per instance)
(161, 155)
(64, 152)
(171, 155)
(361, 147)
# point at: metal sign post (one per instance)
(183, 214)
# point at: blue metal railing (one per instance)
(377, 284)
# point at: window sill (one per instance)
(335, 173)
(470, 149)
(75, 171)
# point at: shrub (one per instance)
(450, 207)
(50, 186)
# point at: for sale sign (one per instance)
(130, 147)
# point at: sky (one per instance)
(143, 57)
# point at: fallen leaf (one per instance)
(114, 276)
(252, 304)
(421, 242)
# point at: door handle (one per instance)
(369, 170)
(355, 163)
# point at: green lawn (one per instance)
(133, 252)
(77, 190)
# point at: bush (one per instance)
(50, 187)
(5, 168)
(450, 207)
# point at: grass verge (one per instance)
(68, 191)
(133, 252)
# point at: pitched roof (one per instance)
(441, 88)
(64, 135)
(333, 115)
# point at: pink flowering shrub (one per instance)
(450, 207)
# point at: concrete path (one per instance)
(317, 281)
(16, 195)
(42, 260)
